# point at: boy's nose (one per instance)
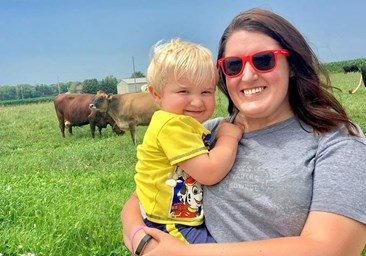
(196, 101)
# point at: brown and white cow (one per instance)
(73, 110)
(127, 110)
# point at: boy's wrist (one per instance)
(150, 245)
(142, 245)
(136, 240)
(136, 237)
(237, 139)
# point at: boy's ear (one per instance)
(155, 96)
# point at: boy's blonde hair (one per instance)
(180, 59)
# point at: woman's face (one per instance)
(261, 97)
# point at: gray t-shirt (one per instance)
(281, 173)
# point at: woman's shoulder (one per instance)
(213, 124)
(341, 135)
(341, 147)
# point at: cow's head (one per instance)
(112, 123)
(101, 101)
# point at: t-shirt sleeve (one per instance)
(213, 125)
(182, 138)
(340, 177)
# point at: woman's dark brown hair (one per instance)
(310, 92)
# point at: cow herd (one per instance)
(123, 112)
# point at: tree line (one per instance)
(27, 91)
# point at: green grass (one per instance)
(355, 104)
(64, 196)
(61, 196)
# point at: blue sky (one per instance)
(50, 41)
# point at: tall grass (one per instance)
(63, 196)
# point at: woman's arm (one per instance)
(324, 234)
(131, 219)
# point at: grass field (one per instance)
(63, 196)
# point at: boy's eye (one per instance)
(207, 92)
(183, 91)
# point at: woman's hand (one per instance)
(163, 243)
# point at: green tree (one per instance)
(91, 86)
(8, 92)
(72, 86)
(59, 88)
(43, 90)
(25, 91)
(64, 87)
(109, 84)
(137, 74)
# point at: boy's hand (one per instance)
(229, 129)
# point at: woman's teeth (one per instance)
(253, 91)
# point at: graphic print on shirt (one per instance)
(206, 138)
(187, 195)
(187, 192)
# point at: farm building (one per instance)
(130, 85)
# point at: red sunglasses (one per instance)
(263, 61)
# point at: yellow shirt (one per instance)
(166, 193)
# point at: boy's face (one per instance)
(184, 98)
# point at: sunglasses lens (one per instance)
(232, 66)
(264, 61)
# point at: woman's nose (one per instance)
(248, 72)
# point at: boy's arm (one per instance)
(210, 168)
(130, 221)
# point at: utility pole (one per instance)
(58, 85)
(134, 73)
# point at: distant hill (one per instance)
(337, 67)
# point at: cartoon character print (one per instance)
(187, 192)
(206, 138)
(187, 195)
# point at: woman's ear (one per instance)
(153, 93)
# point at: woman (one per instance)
(298, 185)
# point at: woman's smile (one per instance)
(253, 90)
